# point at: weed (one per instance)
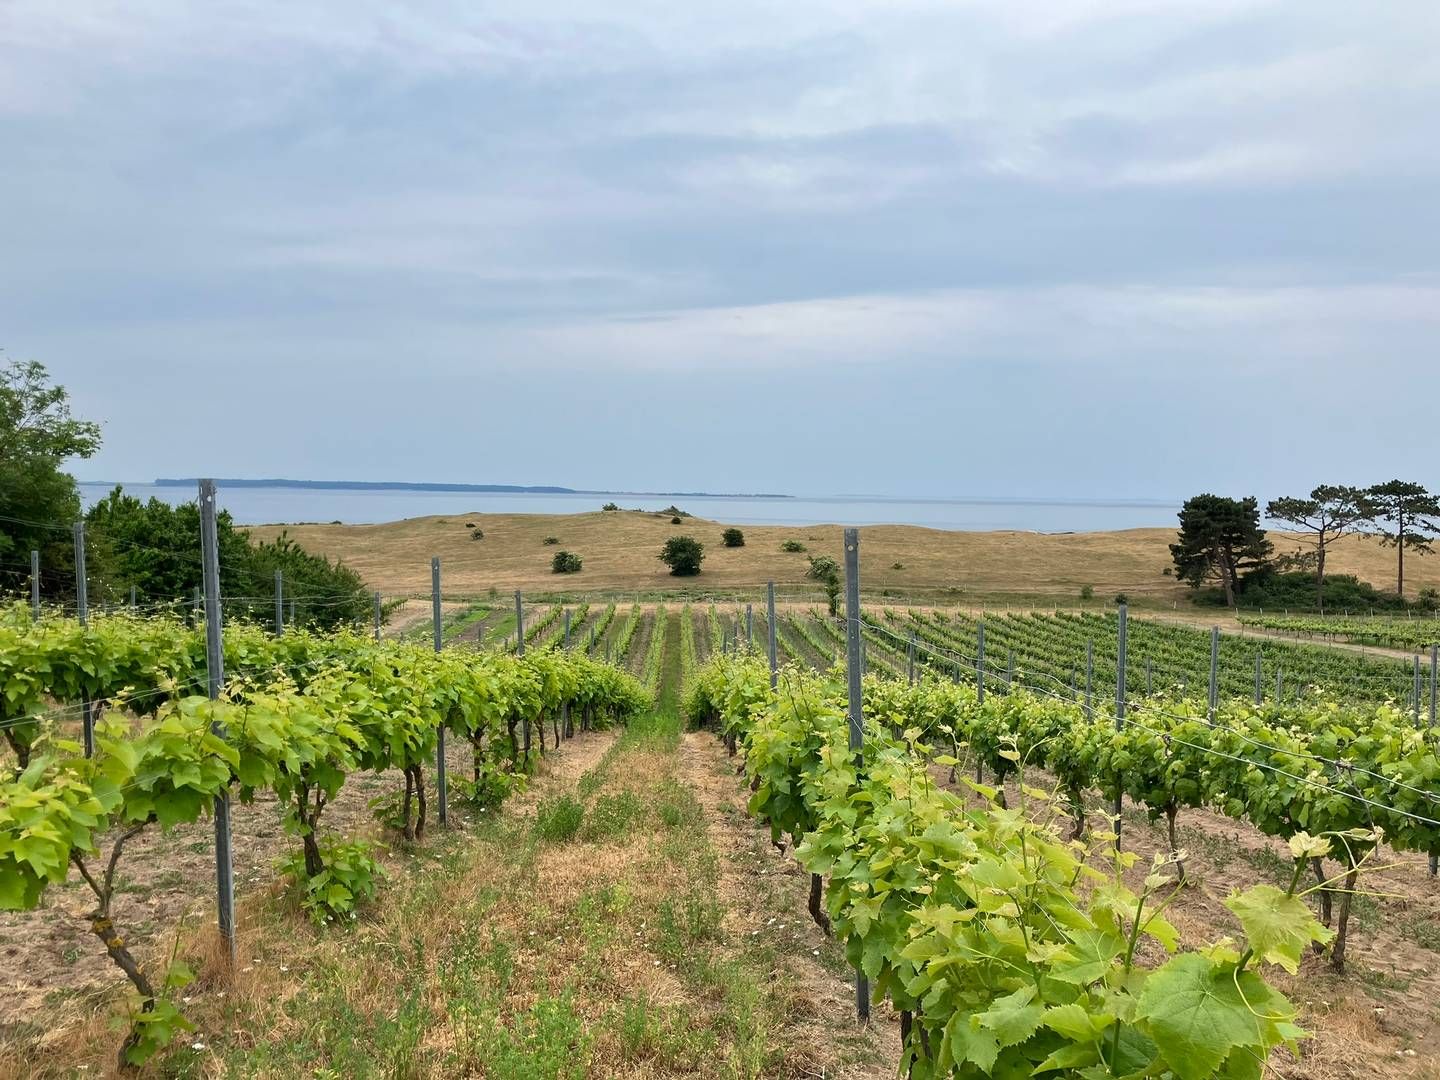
(559, 819)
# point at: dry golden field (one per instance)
(620, 548)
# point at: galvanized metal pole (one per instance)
(911, 676)
(82, 608)
(749, 627)
(770, 626)
(856, 702)
(82, 604)
(1259, 693)
(1417, 689)
(1214, 672)
(441, 787)
(1279, 684)
(215, 671)
(279, 603)
(35, 584)
(520, 625)
(565, 705)
(1089, 678)
(379, 613)
(1149, 679)
(133, 604)
(1434, 671)
(980, 662)
(1121, 647)
(292, 611)
(196, 605)
(1010, 673)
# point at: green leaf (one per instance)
(1196, 1015)
(1013, 1018)
(1278, 927)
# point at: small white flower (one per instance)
(197, 1046)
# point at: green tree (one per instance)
(1328, 513)
(683, 554)
(1219, 538)
(38, 499)
(733, 537)
(566, 562)
(1412, 513)
(156, 548)
(826, 570)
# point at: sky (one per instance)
(1078, 248)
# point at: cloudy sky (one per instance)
(1123, 248)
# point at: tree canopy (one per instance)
(683, 554)
(39, 501)
(1328, 513)
(1220, 538)
(1413, 517)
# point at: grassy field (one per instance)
(620, 548)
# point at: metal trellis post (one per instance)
(82, 608)
(215, 671)
(856, 702)
(770, 626)
(441, 787)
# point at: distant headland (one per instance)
(491, 489)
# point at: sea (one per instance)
(288, 506)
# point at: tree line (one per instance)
(149, 546)
(1221, 539)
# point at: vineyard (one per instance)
(1410, 634)
(111, 735)
(965, 863)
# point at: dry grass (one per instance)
(620, 548)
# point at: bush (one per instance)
(674, 521)
(477, 534)
(551, 540)
(610, 506)
(559, 818)
(1120, 599)
(733, 538)
(1295, 591)
(683, 554)
(1087, 592)
(792, 546)
(565, 562)
(897, 566)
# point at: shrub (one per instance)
(549, 540)
(1087, 592)
(733, 538)
(469, 524)
(1121, 598)
(897, 566)
(559, 818)
(477, 534)
(565, 562)
(610, 506)
(683, 554)
(792, 546)
(674, 521)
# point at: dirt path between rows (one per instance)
(765, 893)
